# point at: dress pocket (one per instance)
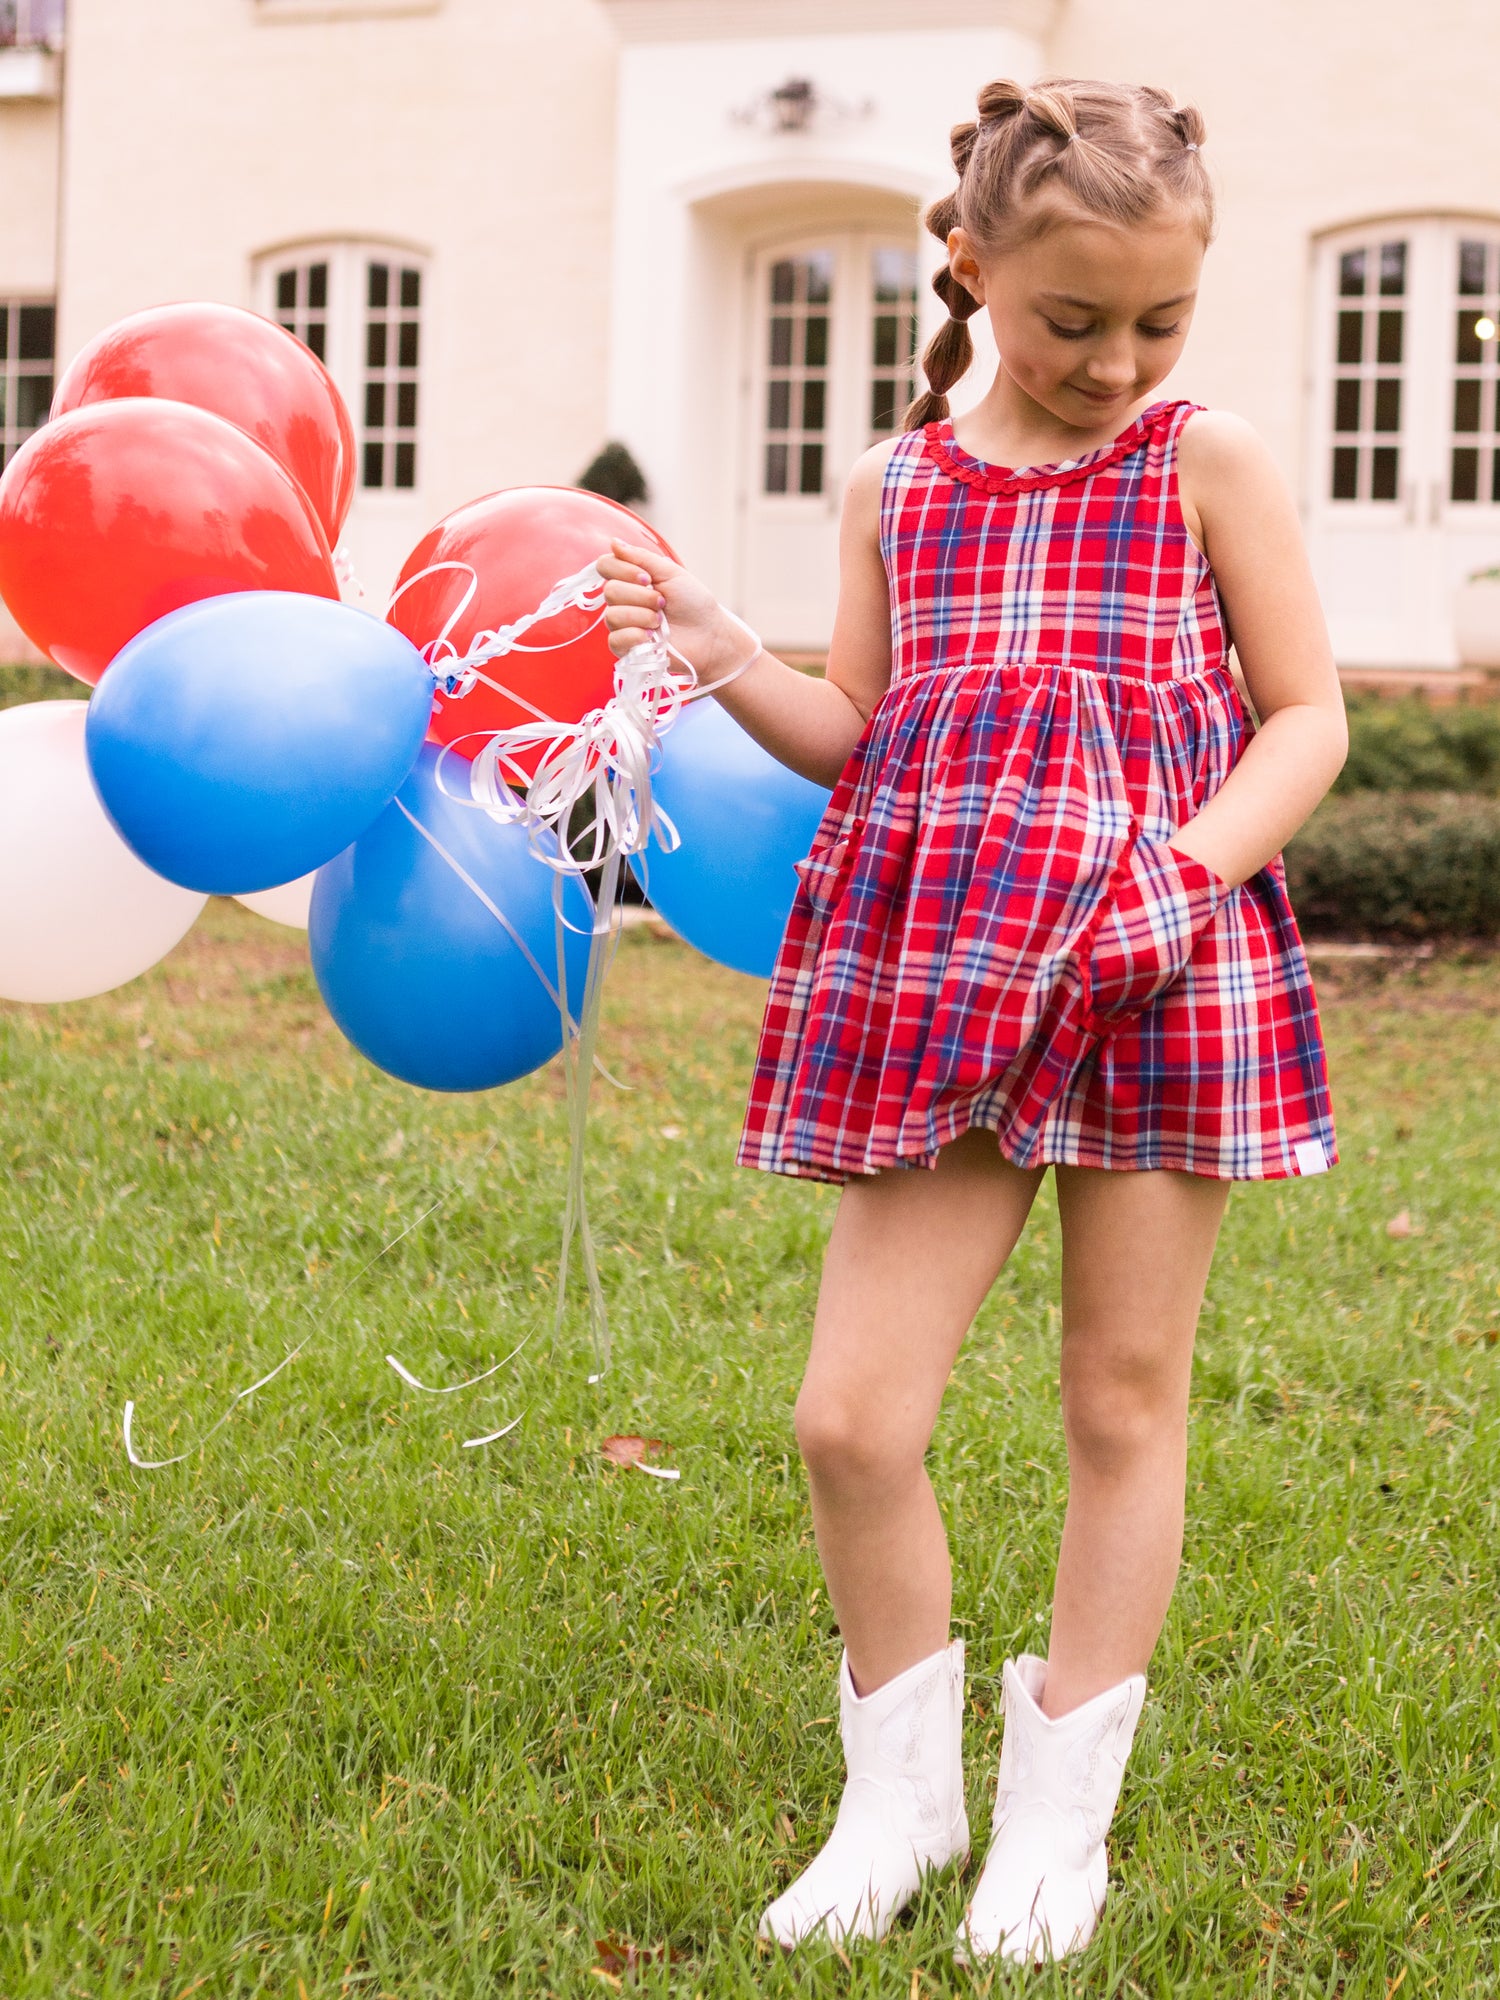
(1160, 904)
(824, 873)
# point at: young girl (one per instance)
(1043, 924)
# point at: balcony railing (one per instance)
(31, 24)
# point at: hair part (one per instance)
(1115, 152)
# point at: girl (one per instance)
(1043, 924)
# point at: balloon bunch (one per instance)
(168, 539)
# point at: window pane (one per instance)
(408, 355)
(406, 406)
(816, 350)
(374, 465)
(411, 289)
(1388, 405)
(1466, 406)
(380, 285)
(1495, 478)
(895, 274)
(1345, 472)
(33, 400)
(1392, 269)
(781, 343)
(783, 283)
(374, 406)
(1469, 348)
(1346, 405)
(317, 338)
(5, 353)
(883, 345)
(778, 406)
(317, 288)
(1388, 331)
(812, 468)
(1383, 472)
(1465, 481)
(406, 463)
(882, 406)
(819, 278)
(814, 401)
(1352, 275)
(375, 344)
(1351, 338)
(3, 405)
(286, 291)
(1471, 261)
(776, 468)
(37, 324)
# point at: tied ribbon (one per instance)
(607, 756)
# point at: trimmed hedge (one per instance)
(1410, 746)
(1399, 865)
(23, 684)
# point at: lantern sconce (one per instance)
(797, 105)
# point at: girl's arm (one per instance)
(1240, 514)
(808, 724)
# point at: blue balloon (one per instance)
(418, 972)
(744, 819)
(245, 740)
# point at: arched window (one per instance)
(360, 308)
(1404, 469)
(27, 346)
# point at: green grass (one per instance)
(339, 1707)
(23, 684)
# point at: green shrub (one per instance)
(22, 684)
(1410, 746)
(1399, 865)
(615, 474)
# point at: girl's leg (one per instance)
(911, 1256)
(1136, 1254)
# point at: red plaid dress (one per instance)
(991, 928)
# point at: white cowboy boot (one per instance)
(1046, 1875)
(902, 1812)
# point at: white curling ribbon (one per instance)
(609, 754)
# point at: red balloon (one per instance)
(115, 515)
(518, 543)
(240, 366)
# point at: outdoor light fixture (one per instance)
(1484, 329)
(793, 104)
(797, 106)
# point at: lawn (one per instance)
(339, 1707)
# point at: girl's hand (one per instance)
(640, 585)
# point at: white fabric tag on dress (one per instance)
(1311, 1159)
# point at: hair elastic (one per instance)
(1190, 146)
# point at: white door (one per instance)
(1404, 483)
(832, 345)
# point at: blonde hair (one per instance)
(1121, 152)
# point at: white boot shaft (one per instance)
(902, 1811)
(1047, 1873)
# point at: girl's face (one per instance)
(1089, 316)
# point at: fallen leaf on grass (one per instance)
(635, 1451)
(671, 1131)
(1401, 1224)
(619, 1955)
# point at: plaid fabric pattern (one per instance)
(992, 928)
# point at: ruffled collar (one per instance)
(945, 451)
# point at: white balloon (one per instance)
(79, 913)
(287, 905)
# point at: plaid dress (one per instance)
(992, 928)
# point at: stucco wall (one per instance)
(29, 150)
(478, 130)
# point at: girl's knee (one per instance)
(1116, 1410)
(848, 1444)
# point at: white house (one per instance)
(516, 228)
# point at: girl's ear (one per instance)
(963, 262)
